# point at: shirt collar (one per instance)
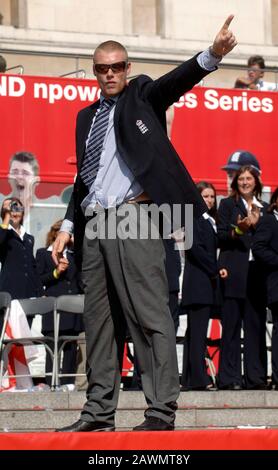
(254, 201)
(113, 98)
(211, 220)
(21, 233)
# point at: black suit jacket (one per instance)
(68, 283)
(172, 265)
(265, 249)
(150, 155)
(200, 267)
(234, 252)
(18, 274)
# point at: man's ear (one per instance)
(128, 69)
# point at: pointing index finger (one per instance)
(228, 22)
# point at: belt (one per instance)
(143, 197)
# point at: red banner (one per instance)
(38, 115)
(210, 124)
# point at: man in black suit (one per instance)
(124, 277)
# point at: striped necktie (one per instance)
(95, 143)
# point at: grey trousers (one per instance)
(125, 284)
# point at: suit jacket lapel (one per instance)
(119, 105)
(83, 130)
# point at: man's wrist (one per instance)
(67, 226)
(4, 226)
(214, 54)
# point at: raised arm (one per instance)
(168, 88)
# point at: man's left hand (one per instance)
(225, 41)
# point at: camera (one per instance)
(15, 207)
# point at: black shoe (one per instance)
(211, 388)
(205, 388)
(84, 426)
(232, 386)
(154, 424)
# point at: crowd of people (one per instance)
(234, 288)
(131, 282)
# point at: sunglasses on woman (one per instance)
(117, 67)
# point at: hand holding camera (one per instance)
(11, 210)
(15, 207)
(6, 212)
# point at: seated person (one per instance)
(60, 280)
(255, 73)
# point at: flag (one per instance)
(16, 363)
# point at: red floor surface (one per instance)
(228, 439)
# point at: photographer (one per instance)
(18, 274)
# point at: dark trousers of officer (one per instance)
(251, 313)
(194, 371)
(125, 283)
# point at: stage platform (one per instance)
(208, 439)
(206, 421)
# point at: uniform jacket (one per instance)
(265, 249)
(149, 154)
(172, 265)
(234, 252)
(18, 274)
(200, 267)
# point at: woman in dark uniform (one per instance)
(60, 280)
(199, 293)
(265, 249)
(18, 274)
(244, 288)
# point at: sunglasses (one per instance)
(117, 67)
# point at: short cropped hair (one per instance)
(110, 46)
